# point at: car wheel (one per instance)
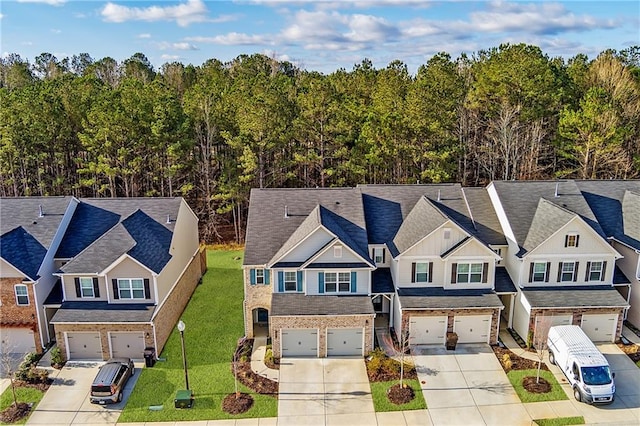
(576, 394)
(120, 397)
(552, 358)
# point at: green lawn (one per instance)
(214, 322)
(556, 394)
(382, 403)
(28, 395)
(560, 421)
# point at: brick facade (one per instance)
(14, 316)
(164, 321)
(322, 323)
(255, 296)
(451, 314)
(577, 318)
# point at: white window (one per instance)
(568, 269)
(539, 272)
(337, 251)
(571, 240)
(86, 287)
(378, 255)
(22, 295)
(337, 282)
(422, 272)
(259, 276)
(469, 273)
(595, 271)
(447, 233)
(290, 281)
(131, 288)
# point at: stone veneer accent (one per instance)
(255, 296)
(14, 316)
(164, 321)
(321, 322)
(451, 314)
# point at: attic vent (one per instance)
(40, 211)
(168, 218)
(286, 212)
(556, 193)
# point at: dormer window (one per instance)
(337, 251)
(378, 255)
(571, 240)
(447, 233)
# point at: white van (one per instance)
(585, 367)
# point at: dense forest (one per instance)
(209, 133)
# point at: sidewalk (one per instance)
(257, 359)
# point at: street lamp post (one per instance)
(181, 327)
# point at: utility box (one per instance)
(149, 356)
(184, 399)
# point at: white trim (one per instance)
(274, 260)
(15, 293)
(499, 209)
(448, 221)
(119, 260)
(451, 255)
(332, 244)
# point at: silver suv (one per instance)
(108, 386)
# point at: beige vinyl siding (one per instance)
(128, 268)
(68, 281)
(435, 243)
(589, 243)
(184, 244)
(311, 280)
(347, 255)
(404, 272)
(8, 271)
(629, 266)
(308, 247)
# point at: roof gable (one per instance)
(306, 228)
(23, 251)
(423, 219)
(631, 214)
(547, 220)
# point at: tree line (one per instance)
(209, 133)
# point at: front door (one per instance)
(377, 303)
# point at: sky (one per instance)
(314, 35)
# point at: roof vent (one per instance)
(337, 203)
(286, 212)
(40, 211)
(438, 195)
(556, 193)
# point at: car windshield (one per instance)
(596, 375)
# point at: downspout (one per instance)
(36, 304)
(155, 338)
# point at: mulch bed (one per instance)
(399, 395)
(239, 404)
(517, 362)
(536, 386)
(255, 382)
(632, 351)
(40, 386)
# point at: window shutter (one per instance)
(267, 274)
(354, 282)
(485, 272)
(575, 271)
(566, 240)
(299, 281)
(114, 283)
(546, 278)
(252, 276)
(559, 271)
(147, 290)
(384, 252)
(531, 272)
(280, 281)
(577, 240)
(586, 273)
(96, 287)
(430, 272)
(454, 272)
(320, 282)
(413, 272)
(77, 283)
(604, 270)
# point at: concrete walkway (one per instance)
(257, 359)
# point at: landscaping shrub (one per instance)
(27, 371)
(56, 356)
(506, 362)
(381, 368)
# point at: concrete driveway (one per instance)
(467, 386)
(67, 400)
(324, 391)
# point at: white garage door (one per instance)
(344, 341)
(472, 328)
(84, 345)
(17, 340)
(427, 330)
(600, 327)
(127, 345)
(299, 342)
(544, 322)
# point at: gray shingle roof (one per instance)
(487, 225)
(574, 297)
(503, 282)
(92, 312)
(102, 253)
(423, 219)
(520, 201)
(382, 282)
(547, 220)
(300, 304)
(268, 229)
(25, 237)
(439, 298)
(619, 277)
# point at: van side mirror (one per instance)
(613, 375)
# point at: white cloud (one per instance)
(167, 57)
(1, 16)
(56, 31)
(176, 46)
(183, 14)
(49, 2)
(144, 35)
(232, 39)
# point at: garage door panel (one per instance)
(427, 330)
(472, 328)
(345, 341)
(17, 340)
(127, 345)
(544, 322)
(84, 346)
(600, 327)
(299, 342)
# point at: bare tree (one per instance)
(543, 324)
(7, 367)
(398, 353)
